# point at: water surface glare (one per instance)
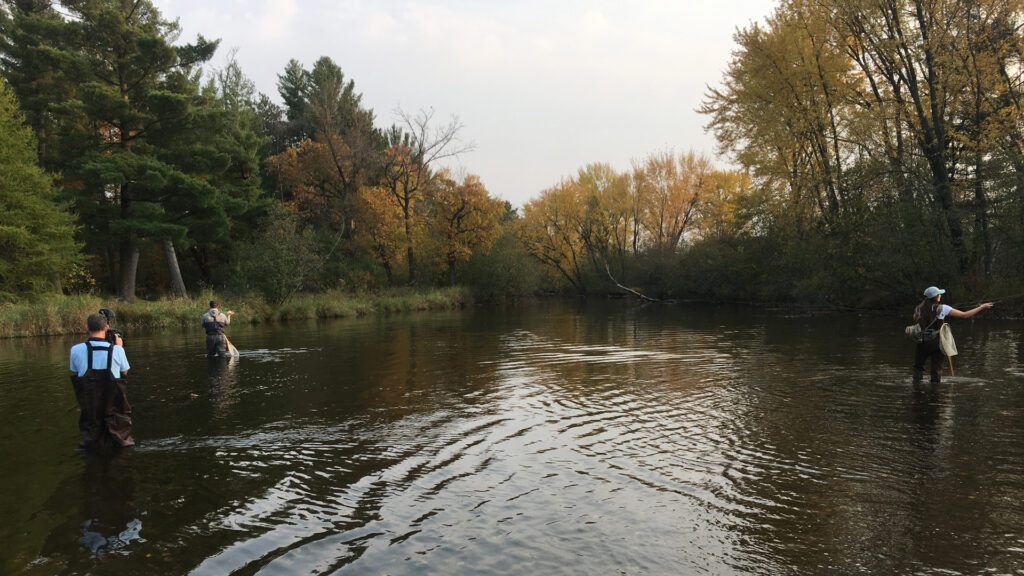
(607, 438)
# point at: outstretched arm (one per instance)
(958, 314)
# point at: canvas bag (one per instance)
(918, 334)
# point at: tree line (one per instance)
(879, 147)
(602, 226)
(155, 171)
(885, 140)
(876, 147)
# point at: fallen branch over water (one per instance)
(630, 290)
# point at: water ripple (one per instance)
(562, 444)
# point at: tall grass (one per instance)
(66, 314)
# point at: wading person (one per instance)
(930, 315)
(214, 322)
(99, 369)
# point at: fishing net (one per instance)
(946, 341)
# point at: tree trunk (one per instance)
(412, 268)
(129, 248)
(981, 222)
(944, 192)
(408, 239)
(129, 266)
(177, 283)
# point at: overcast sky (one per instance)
(542, 87)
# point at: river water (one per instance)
(608, 438)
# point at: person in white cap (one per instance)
(930, 314)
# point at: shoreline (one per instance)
(59, 315)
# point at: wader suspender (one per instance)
(110, 355)
(214, 323)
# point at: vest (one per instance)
(106, 416)
(212, 326)
(930, 332)
(937, 323)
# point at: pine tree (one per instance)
(37, 246)
(229, 129)
(129, 103)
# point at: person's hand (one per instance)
(986, 305)
(118, 340)
(231, 312)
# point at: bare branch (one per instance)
(431, 142)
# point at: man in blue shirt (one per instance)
(98, 369)
(98, 338)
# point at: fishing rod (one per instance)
(1003, 299)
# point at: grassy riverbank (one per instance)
(66, 314)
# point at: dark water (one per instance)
(558, 439)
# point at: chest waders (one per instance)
(929, 350)
(216, 342)
(106, 416)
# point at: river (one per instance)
(558, 438)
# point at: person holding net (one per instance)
(214, 323)
(930, 315)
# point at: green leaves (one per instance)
(37, 246)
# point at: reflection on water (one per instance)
(222, 378)
(98, 514)
(112, 525)
(602, 439)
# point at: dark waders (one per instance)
(216, 345)
(106, 417)
(925, 350)
(216, 340)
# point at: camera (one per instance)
(112, 333)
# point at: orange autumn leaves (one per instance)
(601, 218)
(440, 217)
(464, 218)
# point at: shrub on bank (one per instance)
(66, 314)
(50, 315)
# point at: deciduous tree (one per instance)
(672, 188)
(414, 149)
(381, 228)
(463, 216)
(549, 231)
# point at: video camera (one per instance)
(112, 333)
